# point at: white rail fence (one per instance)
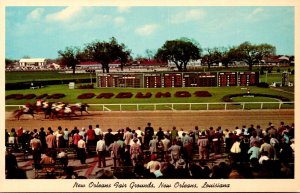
(186, 106)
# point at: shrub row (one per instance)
(228, 98)
(141, 95)
(105, 95)
(86, 96)
(86, 86)
(202, 94)
(160, 94)
(182, 94)
(32, 96)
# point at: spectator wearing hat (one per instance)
(83, 133)
(174, 134)
(160, 134)
(267, 147)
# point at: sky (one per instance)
(40, 32)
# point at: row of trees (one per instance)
(179, 51)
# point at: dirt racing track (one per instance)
(165, 119)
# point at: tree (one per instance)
(251, 53)
(179, 51)
(149, 53)
(9, 63)
(107, 52)
(69, 57)
(212, 56)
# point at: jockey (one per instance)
(26, 107)
(39, 102)
(45, 104)
(78, 104)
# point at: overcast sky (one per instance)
(42, 31)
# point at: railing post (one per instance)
(137, 107)
(102, 107)
(207, 106)
(261, 105)
(172, 106)
(280, 105)
(155, 106)
(190, 106)
(243, 106)
(225, 106)
(120, 107)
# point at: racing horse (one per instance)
(19, 112)
(80, 107)
(61, 110)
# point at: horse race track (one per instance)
(165, 119)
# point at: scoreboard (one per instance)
(200, 79)
(177, 79)
(227, 79)
(120, 80)
(172, 80)
(152, 80)
(248, 78)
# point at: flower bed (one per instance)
(182, 94)
(14, 96)
(124, 95)
(56, 96)
(202, 94)
(41, 96)
(86, 96)
(141, 95)
(160, 94)
(29, 96)
(105, 95)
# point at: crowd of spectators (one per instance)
(250, 152)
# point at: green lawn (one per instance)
(71, 94)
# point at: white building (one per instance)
(32, 62)
(190, 63)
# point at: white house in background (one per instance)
(54, 66)
(32, 62)
(190, 63)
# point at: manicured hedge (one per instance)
(227, 98)
(141, 95)
(56, 96)
(86, 86)
(182, 94)
(202, 94)
(86, 96)
(29, 96)
(124, 95)
(105, 95)
(14, 96)
(160, 94)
